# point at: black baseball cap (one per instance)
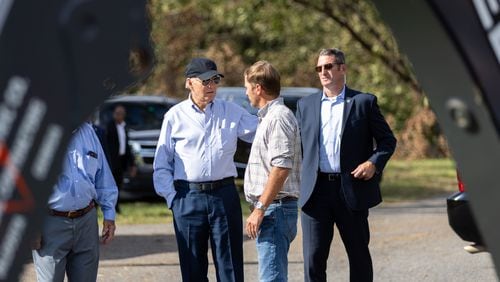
(202, 68)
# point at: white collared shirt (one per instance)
(199, 146)
(332, 109)
(120, 128)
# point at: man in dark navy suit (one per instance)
(346, 145)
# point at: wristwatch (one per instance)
(260, 206)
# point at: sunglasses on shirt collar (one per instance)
(328, 66)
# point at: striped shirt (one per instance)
(276, 144)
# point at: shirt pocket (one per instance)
(91, 166)
(226, 141)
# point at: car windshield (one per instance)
(140, 116)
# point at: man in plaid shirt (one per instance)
(273, 173)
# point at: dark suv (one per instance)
(237, 95)
(144, 119)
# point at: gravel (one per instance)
(410, 241)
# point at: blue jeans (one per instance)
(277, 231)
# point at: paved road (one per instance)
(411, 241)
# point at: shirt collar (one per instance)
(263, 112)
(339, 97)
(196, 108)
(87, 123)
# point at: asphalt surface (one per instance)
(411, 241)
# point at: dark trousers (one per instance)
(203, 216)
(118, 170)
(325, 208)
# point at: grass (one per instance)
(144, 213)
(402, 180)
(419, 179)
(153, 212)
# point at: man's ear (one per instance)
(258, 89)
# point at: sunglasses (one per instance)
(328, 66)
(215, 79)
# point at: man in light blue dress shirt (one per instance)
(194, 171)
(346, 144)
(69, 239)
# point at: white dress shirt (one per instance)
(120, 128)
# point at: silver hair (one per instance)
(339, 55)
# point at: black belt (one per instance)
(205, 186)
(278, 201)
(285, 199)
(329, 176)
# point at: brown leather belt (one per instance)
(73, 214)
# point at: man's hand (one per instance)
(108, 231)
(253, 223)
(364, 171)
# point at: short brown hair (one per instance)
(264, 74)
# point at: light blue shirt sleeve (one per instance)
(247, 126)
(163, 175)
(105, 186)
(86, 176)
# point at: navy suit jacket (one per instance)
(365, 136)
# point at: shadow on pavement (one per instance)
(129, 246)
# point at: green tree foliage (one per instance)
(289, 34)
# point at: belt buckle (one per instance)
(72, 214)
(206, 186)
(331, 177)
